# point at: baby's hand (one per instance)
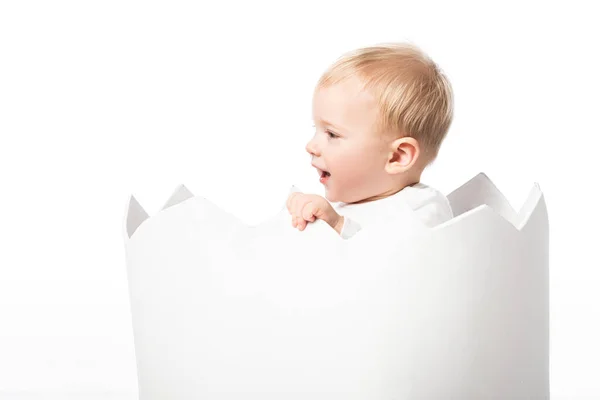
(309, 207)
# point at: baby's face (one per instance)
(346, 144)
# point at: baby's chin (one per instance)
(345, 197)
(330, 196)
(334, 197)
(348, 196)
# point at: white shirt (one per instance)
(429, 204)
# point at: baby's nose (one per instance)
(312, 149)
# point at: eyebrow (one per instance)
(336, 127)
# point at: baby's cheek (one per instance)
(351, 182)
(356, 173)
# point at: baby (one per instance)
(380, 114)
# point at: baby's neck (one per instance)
(386, 194)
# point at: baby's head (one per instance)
(380, 114)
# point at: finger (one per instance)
(299, 196)
(309, 211)
(302, 224)
(294, 221)
(290, 199)
(297, 205)
(293, 200)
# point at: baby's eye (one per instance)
(331, 134)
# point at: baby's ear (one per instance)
(403, 155)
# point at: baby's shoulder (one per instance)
(423, 193)
(431, 205)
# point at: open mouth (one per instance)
(324, 176)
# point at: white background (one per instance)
(100, 100)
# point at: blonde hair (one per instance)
(414, 97)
